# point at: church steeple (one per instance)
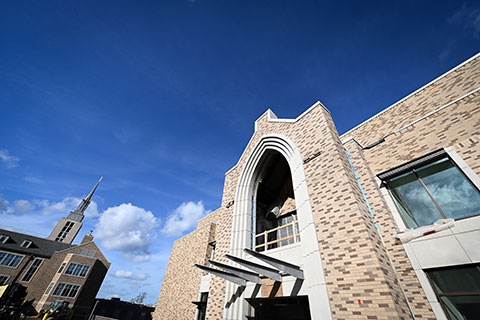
(67, 228)
(79, 213)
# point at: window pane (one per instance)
(260, 239)
(58, 289)
(49, 287)
(84, 271)
(74, 291)
(16, 260)
(413, 201)
(462, 307)
(8, 259)
(463, 279)
(453, 192)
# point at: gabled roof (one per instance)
(39, 247)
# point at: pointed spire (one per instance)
(82, 207)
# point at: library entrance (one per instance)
(280, 308)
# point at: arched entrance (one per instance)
(276, 153)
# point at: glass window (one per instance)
(10, 260)
(3, 280)
(458, 290)
(66, 290)
(3, 238)
(32, 270)
(77, 270)
(26, 244)
(50, 286)
(434, 191)
(202, 306)
(62, 267)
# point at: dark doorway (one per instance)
(280, 308)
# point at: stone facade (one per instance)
(366, 272)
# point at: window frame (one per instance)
(66, 284)
(79, 267)
(62, 267)
(67, 227)
(34, 272)
(50, 287)
(19, 262)
(5, 238)
(454, 159)
(6, 279)
(26, 244)
(438, 295)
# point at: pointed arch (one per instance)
(242, 223)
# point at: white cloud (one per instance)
(128, 229)
(32, 179)
(3, 205)
(65, 206)
(468, 18)
(130, 275)
(8, 160)
(184, 218)
(22, 206)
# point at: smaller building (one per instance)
(120, 310)
(54, 269)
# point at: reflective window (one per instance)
(66, 290)
(77, 270)
(32, 270)
(3, 280)
(434, 191)
(50, 286)
(458, 290)
(10, 260)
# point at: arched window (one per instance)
(276, 222)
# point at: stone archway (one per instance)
(242, 223)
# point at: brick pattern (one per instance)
(342, 220)
(355, 256)
(89, 285)
(182, 280)
(456, 126)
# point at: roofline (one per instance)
(271, 117)
(413, 93)
(195, 230)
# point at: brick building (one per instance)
(116, 309)
(55, 269)
(381, 222)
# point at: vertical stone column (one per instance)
(357, 271)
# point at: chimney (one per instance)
(88, 237)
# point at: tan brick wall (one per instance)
(181, 282)
(89, 285)
(457, 126)
(342, 221)
(356, 263)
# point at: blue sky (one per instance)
(160, 98)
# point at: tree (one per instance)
(139, 298)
